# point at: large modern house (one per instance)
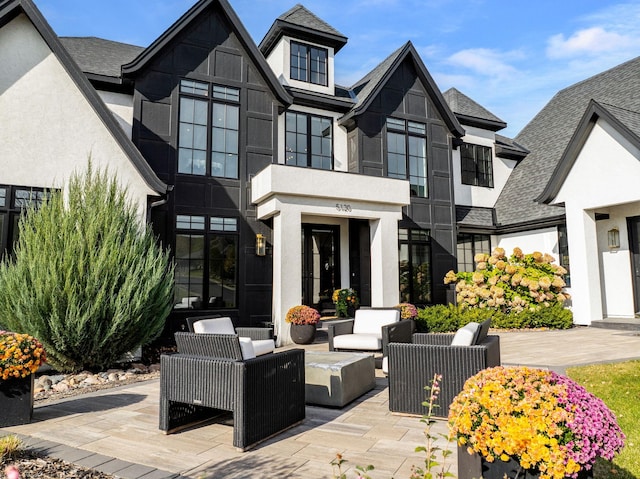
(273, 185)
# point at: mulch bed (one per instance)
(34, 466)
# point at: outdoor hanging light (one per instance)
(261, 245)
(613, 238)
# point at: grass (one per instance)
(618, 385)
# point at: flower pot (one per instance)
(303, 333)
(16, 401)
(475, 466)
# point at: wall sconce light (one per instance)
(261, 245)
(613, 236)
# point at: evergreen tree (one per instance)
(86, 278)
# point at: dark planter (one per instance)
(303, 333)
(474, 466)
(16, 401)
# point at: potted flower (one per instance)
(529, 423)
(407, 311)
(304, 320)
(20, 356)
(346, 301)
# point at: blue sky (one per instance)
(511, 56)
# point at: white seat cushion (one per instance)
(214, 326)
(263, 346)
(246, 346)
(466, 335)
(364, 342)
(385, 365)
(370, 321)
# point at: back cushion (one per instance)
(466, 335)
(370, 321)
(484, 330)
(214, 326)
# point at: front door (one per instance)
(633, 225)
(320, 264)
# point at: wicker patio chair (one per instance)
(412, 367)
(266, 394)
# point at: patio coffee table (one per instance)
(335, 378)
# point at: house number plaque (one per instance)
(343, 207)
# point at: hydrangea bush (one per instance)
(515, 283)
(545, 421)
(407, 310)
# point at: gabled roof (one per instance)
(549, 133)
(298, 22)
(12, 8)
(185, 20)
(100, 59)
(371, 84)
(471, 113)
(626, 122)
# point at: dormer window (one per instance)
(308, 63)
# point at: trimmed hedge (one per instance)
(449, 318)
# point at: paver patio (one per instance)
(117, 430)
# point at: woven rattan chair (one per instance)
(412, 367)
(266, 394)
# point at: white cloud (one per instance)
(590, 41)
(486, 62)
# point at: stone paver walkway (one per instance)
(117, 430)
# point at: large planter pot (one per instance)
(303, 333)
(474, 466)
(16, 401)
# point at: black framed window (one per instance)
(407, 154)
(206, 257)
(308, 141)
(476, 165)
(470, 244)
(13, 201)
(209, 123)
(308, 63)
(563, 253)
(414, 248)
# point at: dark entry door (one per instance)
(320, 264)
(633, 225)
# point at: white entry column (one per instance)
(287, 269)
(585, 265)
(384, 260)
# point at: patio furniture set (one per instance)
(220, 368)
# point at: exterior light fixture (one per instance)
(613, 236)
(261, 245)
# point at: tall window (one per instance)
(13, 201)
(206, 256)
(208, 130)
(407, 153)
(468, 246)
(308, 141)
(477, 165)
(415, 266)
(563, 253)
(308, 64)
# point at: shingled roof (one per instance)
(301, 23)
(471, 113)
(96, 56)
(548, 135)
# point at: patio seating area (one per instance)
(117, 430)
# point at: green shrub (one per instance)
(87, 279)
(444, 319)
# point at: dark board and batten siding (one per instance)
(209, 50)
(404, 96)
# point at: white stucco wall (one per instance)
(49, 129)
(340, 151)
(121, 105)
(543, 240)
(603, 179)
(279, 60)
(468, 195)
